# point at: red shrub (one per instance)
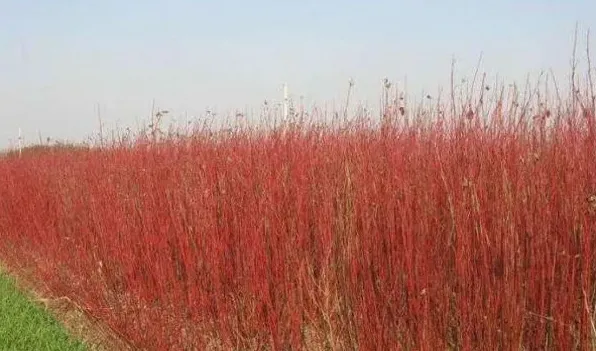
(451, 234)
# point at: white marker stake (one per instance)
(20, 143)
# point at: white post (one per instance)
(20, 143)
(285, 101)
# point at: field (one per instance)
(468, 224)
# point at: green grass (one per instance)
(27, 326)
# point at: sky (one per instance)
(63, 61)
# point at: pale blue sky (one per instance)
(59, 59)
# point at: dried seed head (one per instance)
(592, 201)
(386, 83)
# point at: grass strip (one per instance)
(26, 326)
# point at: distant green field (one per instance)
(26, 326)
